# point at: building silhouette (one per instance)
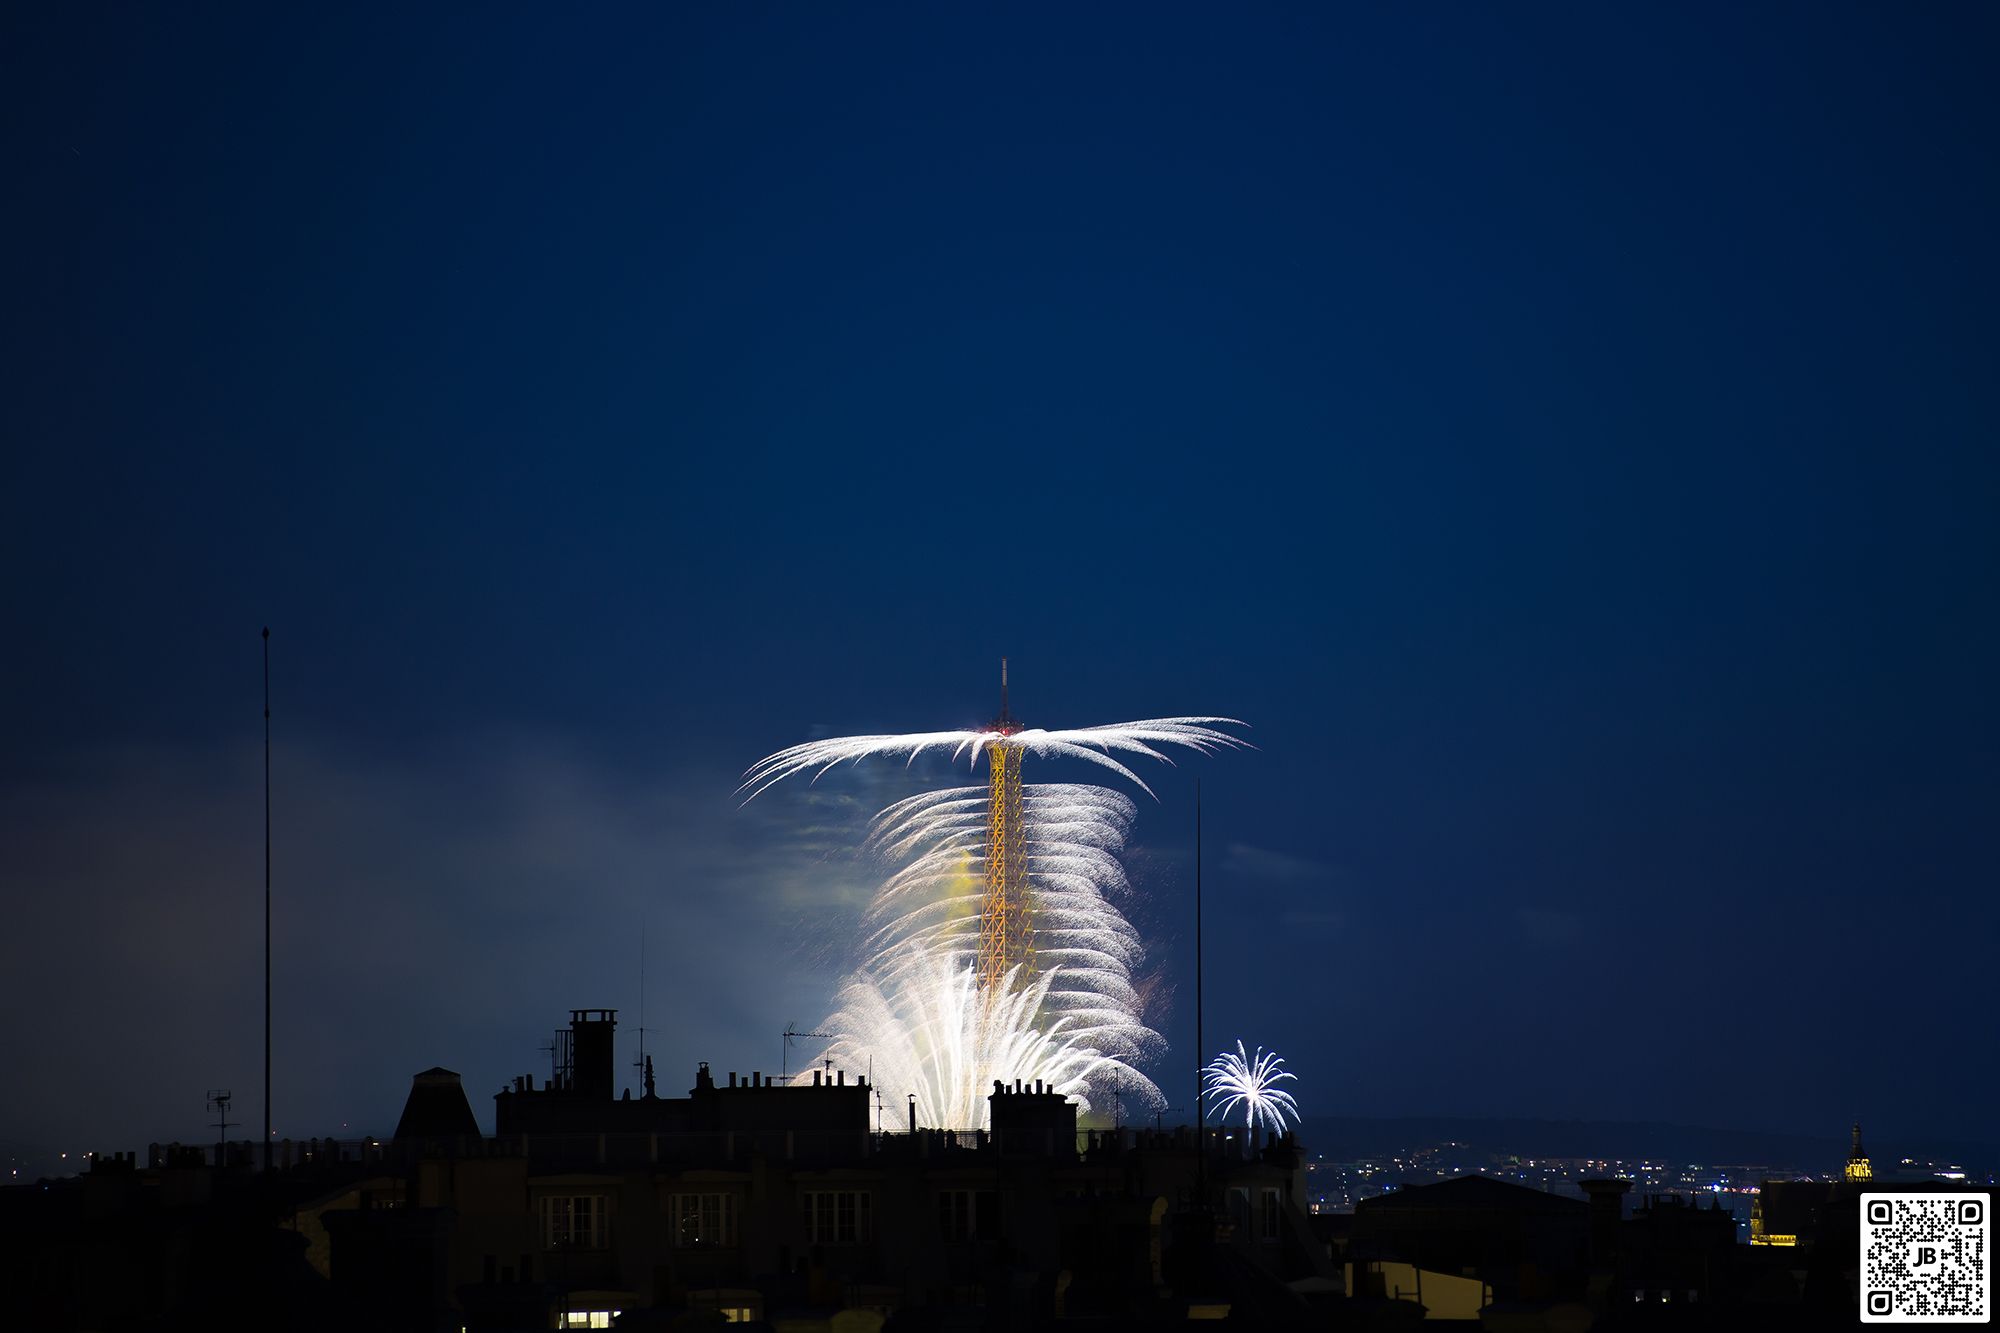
(805, 1204)
(747, 1199)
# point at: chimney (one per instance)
(591, 1049)
(1606, 1209)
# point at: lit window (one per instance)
(704, 1219)
(738, 1314)
(836, 1217)
(588, 1318)
(573, 1222)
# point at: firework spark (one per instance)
(1251, 1081)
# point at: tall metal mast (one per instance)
(267, 898)
(1200, 1038)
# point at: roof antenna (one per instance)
(645, 1070)
(1003, 691)
(218, 1102)
(792, 1032)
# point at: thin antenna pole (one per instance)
(639, 1060)
(1200, 1038)
(267, 899)
(1003, 689)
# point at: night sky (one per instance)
(1565, 435)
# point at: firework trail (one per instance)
(1251, 1082)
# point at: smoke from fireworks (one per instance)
(1251, 1082)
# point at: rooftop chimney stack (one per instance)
(591, 1048)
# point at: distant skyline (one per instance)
(1565, 436)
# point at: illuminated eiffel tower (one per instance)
(1006, 909)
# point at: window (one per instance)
(573, 1222)
(1268, 1214)
(736, 1305)
(704, 1219)
(589, 1318)
(969, 1214)
(836, 1217)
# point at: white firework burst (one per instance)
(1074, 835)
(926, 1030)
(1250, 1081)
(1093, 744)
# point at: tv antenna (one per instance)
(218, 1102)
(639, 1062)
(791, 1032)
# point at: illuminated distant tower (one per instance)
(1006, 918)
(1858, 1167)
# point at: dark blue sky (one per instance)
(1565, 434)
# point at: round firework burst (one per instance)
(1252, 1081)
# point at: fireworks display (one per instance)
(1094, 744)
(931, 1032)
(1251, 1082)
(996, 948)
